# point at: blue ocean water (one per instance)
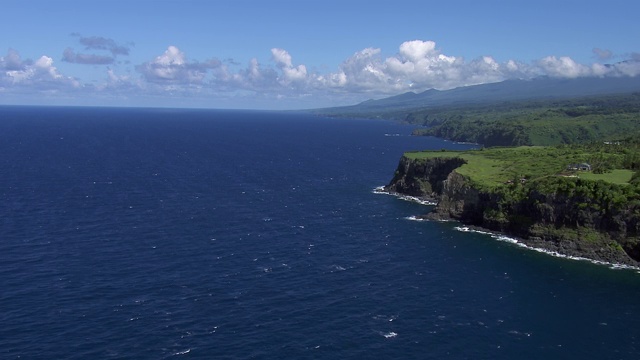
(201, 234)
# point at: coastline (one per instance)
(540, 245)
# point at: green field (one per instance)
(618, 176)
(497, 166)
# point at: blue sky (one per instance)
(282, 54)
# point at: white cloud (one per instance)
(417, 66)
(417, 50)
(360, 72)
(290, 73)
(172, 68)
(626, 68)
(116, 78)
(39, 75)
(281, 57)
(563, 67)
(172, 57)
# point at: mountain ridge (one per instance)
(507, 90)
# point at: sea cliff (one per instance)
(566, 215)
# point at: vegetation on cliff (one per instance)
(538, 193)
(534, 122)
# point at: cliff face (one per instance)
(588, 225)
(422, 177)
(570, 222)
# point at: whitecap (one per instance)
(183, 352)
(338, 268)
(390, 335)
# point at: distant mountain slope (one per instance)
(509, 90)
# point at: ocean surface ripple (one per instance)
(200, 234)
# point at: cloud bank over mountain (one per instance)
(416, 66)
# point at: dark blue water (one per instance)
(151, 234)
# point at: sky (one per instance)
(285, 54)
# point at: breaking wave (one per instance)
(504, 238)
(381, 190)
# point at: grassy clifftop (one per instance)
(491, 167)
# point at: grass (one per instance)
(478, 165)
(618, 176)
(491, 167)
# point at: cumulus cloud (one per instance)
(117, 78)
(564, 67)
(120, 85)
(40, 74)
(254, 78)
(418, 50)
(420, 65)
(360, 72)
(625, 68)
(172, 67)
(290, 73)
(416, 66)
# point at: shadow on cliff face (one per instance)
(422, 177)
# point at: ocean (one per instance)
(210, 234)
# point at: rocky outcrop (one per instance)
(422, 177)
(565, 220)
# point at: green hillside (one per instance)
(539, 122)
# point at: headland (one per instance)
(578, 201)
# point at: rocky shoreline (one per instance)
(436, 181)
(569, 249)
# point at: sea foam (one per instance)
(519, 243)
(381, 190)
(501, 237)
